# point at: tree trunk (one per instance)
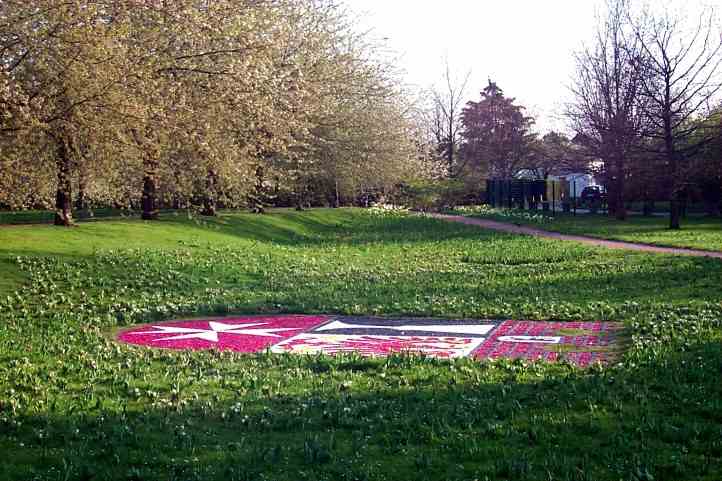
(150, 164)
(451, 140)
(209, 199)
(148, 200)
(209, 206)
(684, 202)
(80, 203)
(671, 154)
(63, 196)
(621, 211)
(337, 197)
(674, 205)
(674, 214)
(256, 199)
(612, 197)
(300, 195)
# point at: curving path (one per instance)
(594, 241)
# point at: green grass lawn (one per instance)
(697, 232)
(76, 405)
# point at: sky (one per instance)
(525, 46)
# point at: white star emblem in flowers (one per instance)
(215, 328)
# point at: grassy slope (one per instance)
(74, 404)
(173, 232)
(697, 232)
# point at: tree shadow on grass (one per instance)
(290, 225)
(340, 226)
(417, 419)
(288, 228)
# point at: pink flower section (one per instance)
(582, 343)
(601, 335)
(369, 346)
(243, 334)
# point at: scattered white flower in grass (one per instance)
(387, 210)
(503, 214)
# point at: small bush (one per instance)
(440, 194)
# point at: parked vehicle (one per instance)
(593, 194)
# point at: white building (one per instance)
(577, 180)
(577, 183)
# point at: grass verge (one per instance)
(697, 232)
(76, 405)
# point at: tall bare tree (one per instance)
(448, 104)
(607, 111)
(680, 73)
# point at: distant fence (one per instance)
(550, 195)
